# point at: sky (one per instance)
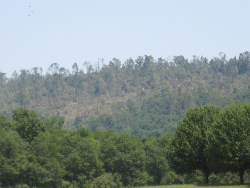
(37, 33)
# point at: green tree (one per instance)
(231, 67)
(6, 123)
(12, 157)
(156, 160)
(75, 68)
(28, 123)
(180, 60)
(107, 180)
(189, 149)
(230, 139)
(108, 76)
(81, 158)
(218, 64)
(22, 88)
(104, 122)
(244, 62)
(45, 160)
(125, 155)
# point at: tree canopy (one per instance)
(189, 150)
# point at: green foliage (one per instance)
(172, 178)
(52, 158)
(102, 122)
(29, 125)
(209, 142)
(230, 178)
(125, 155)
(50, 123)
(158, 104)
(156, 161)
(12, 157)
(6, 123)
(211, 139)
(243, 62)
(47, 160)
(189, 149)
(144, 96)
(107, 180)
(81, 158)
(231, 138)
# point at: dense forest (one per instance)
(142, 96)
(140, 122)
(211, 145)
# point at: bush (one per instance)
(22, 186)
(65, 184)
(172, 178)
(214, 179)
(142, 178)
(230, 178)
(107, 180)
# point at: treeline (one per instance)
(210, 143)
(133, 94)
(38, 152)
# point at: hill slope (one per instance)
(143, 96)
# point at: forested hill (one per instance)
(145, 96)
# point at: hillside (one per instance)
(145, 96)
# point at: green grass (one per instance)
(199, 186)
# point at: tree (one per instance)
(75, 81)
(202, 96)
(80, 158)
(107, 180)
(108, 76)
(148, 61)
(231, 67)
(75, 68)
(54, 68)
(244, 62)
(217, 64)
(6, 123)
(22, 84)
(180, 60)
(12, 157)
(28, 123)
(45, 167)
(103, 122)
(2, 78)
(156, 160)
(139, 61)
(189, 149)
(125, 155)
(230, 139)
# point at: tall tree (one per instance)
(80, 158)
(75, 68)
(244, 62)
(125, 155)
(189, 149)
(156, 160)
(45, 162)
(12, 157)
(230, 139)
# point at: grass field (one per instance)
(199, 186)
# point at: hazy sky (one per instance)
(37, 33)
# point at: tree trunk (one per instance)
(206, 174)
(241, 174)
(206, 181)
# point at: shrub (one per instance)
(172, 178)
(107, 180)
